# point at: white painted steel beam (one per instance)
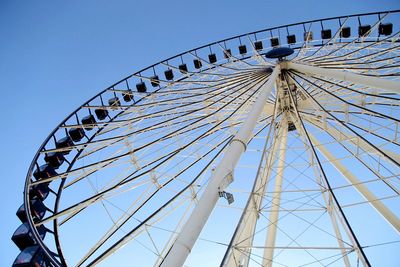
(326, 195)
(361, 188)
(245, 233)
(390, 86)
(220, 179)
(276, 197)
(340, 213)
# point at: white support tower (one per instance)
(221, 178)
(276, 197)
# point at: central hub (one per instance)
(279, 52)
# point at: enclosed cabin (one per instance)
(23, 236)
(38, 210)
(31, 257)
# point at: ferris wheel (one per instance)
(279, 147)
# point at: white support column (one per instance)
(326, 195)
(384, 84)
(364, 191)
(220, 179)
(245, 234)
(276, 197)
(359, 250)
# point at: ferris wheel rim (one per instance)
(59, 193)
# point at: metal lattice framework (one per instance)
(305, 150)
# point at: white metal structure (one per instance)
(239, 161)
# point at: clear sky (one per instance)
(54, 55)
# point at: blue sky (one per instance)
(54, 55)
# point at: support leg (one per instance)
(221, 178)
(364, 191)
(276, 198)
